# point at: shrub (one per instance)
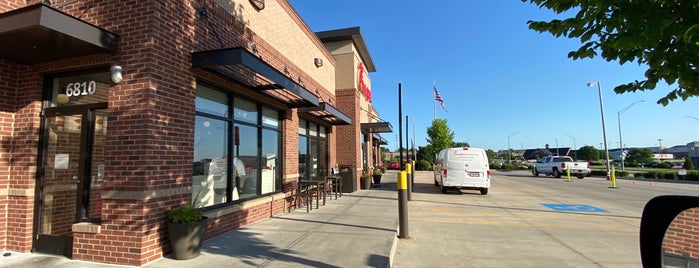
(670, 176)
(599, 173)
(185, 214)
(664, 165)
(621, 173)
(508, 166)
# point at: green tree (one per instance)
(663, 35)
(688, 163)
(490, 153)
(588, 153)
(639, 156)
(439, 136)
(460, 144)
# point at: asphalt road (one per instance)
(527, 221)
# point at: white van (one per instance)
(462, 168)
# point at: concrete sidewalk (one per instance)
(356, 230)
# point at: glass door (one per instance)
(71, 173)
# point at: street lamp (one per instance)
(509, 149)
(604, 131)
(414, 141)
(574, 146)
(557, 154)
(621, 144)
(660, 148)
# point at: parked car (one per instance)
(462, 168)
(558, 165)
(393, 165)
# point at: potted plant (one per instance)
(365, 181)
(377, 176)
(186, 226)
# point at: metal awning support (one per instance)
(328, 113)
(232, 62)
(40, 33)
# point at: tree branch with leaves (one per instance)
(661, 34)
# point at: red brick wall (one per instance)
(682, 237)
(150, 119)
(8, 85)
(348, 137)
(20, 124)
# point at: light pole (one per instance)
(660, 148)
(414, 141)
(604, 131)
(621, 144)
(509, 149)
(574, 146)
(557, 154)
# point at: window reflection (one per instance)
(245, 111)
(271, 173)
(210, 161)
(680, 246)
(236, 155)
(313, 151)
(211, 101)
(248, 154)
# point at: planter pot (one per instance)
(186, 238)
(365, 183)
(377, 179)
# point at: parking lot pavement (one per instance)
(511, 226)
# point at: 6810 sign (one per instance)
(81, 89)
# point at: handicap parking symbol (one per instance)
(575, 208)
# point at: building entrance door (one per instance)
(70, 175)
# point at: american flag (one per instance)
(438, 98)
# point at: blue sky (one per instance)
(497, 77)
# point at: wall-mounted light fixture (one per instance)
(318, 62)
(115, 73)
(258, 4)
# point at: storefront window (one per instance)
(271, 172)
(211, 101)
(313, 151)
(254, 168)
(245, 111)
(210, 161)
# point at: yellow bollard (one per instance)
(409, 170)
(402, 185)
(568, 172)
(613, 178)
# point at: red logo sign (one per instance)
(362, 85)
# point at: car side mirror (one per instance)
(659, 214)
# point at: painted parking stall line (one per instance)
(575, 208)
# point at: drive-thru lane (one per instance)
(528, 221)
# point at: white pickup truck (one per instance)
(559, 165)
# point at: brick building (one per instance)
(116, 112)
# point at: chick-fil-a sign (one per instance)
(362, 85)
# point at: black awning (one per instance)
(380, 127)
(239, 65)
(39, 33)
(328, 113)
(378, 140)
